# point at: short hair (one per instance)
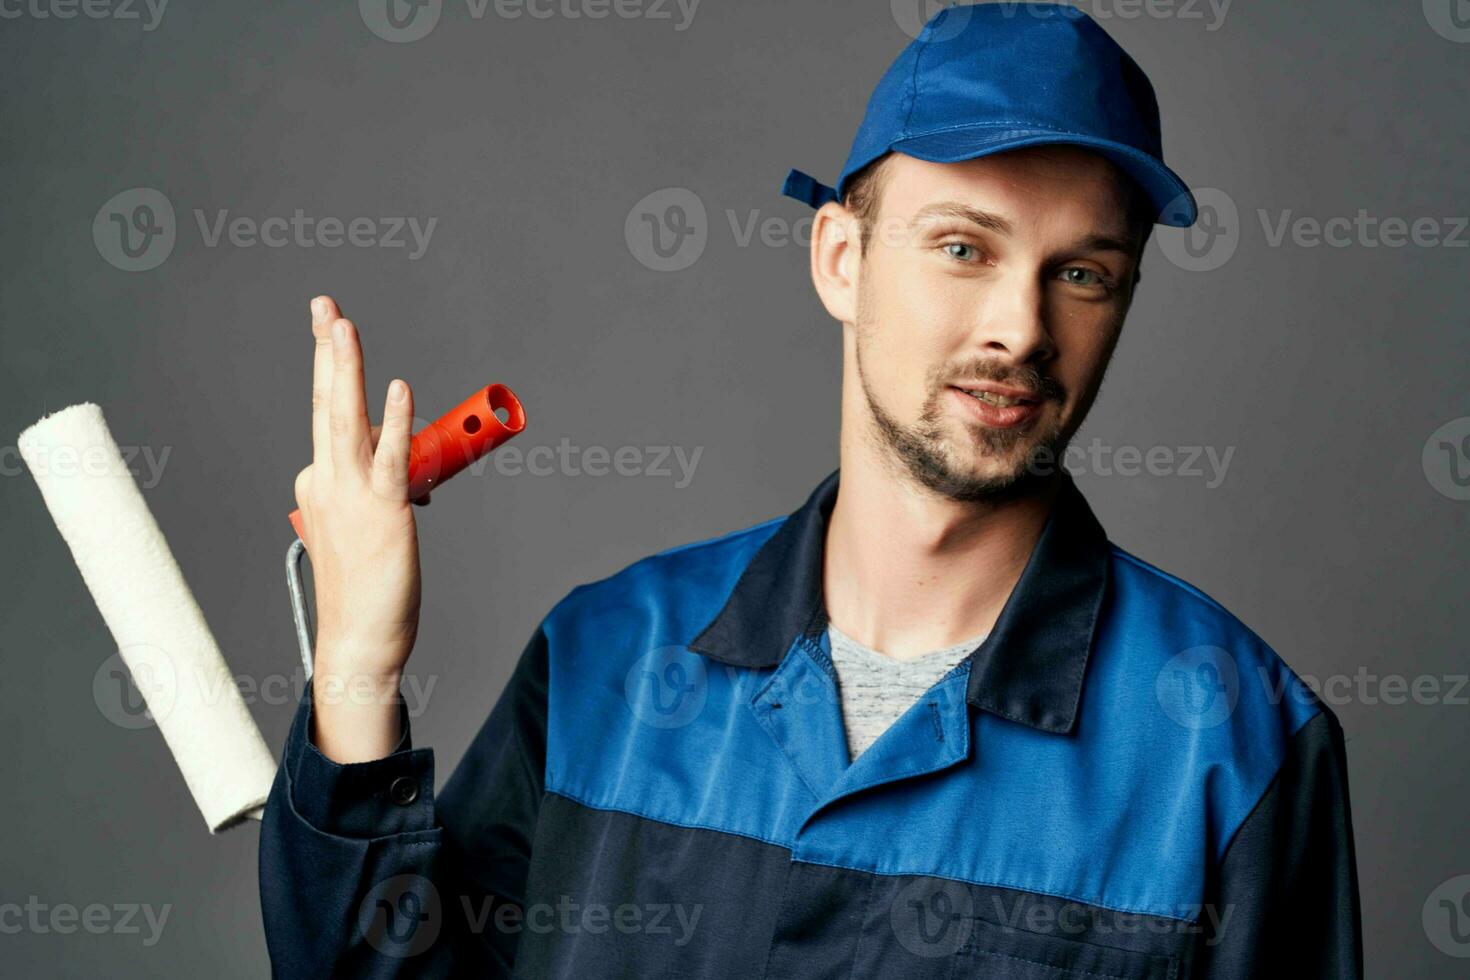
(863, 192)
(865, 189)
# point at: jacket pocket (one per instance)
(992, 951)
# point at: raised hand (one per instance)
(360, 533)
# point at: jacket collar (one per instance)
(1031, 667)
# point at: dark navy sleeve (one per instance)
(364, 873)
(1286, 893)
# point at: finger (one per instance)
(390, 462)
(303, 504)
(349, 422)
(323, 312)
(374, 436)
(303, 487)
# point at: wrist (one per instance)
(352, 658)
(355, 714)
(336, 682)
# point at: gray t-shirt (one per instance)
(876, 688)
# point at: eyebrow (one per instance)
(954, 209)
(991, 221)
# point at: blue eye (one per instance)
(960, 250)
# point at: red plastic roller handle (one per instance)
(456, 440)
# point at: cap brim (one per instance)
(1169, 195)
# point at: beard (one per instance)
(983, 464)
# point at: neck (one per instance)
(907, 571)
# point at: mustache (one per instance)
(1029, 377)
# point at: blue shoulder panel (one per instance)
(1184, 721)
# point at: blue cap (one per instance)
(982, 78)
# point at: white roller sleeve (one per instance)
(160, 631)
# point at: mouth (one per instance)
(997, 395)
(998, 406)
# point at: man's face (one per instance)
(989, 301)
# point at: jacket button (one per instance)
(405, 790)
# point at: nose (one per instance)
(1012, 322)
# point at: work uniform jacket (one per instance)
(1121, 782)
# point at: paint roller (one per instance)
(157, 623)
(160, 631)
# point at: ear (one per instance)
(837, 260)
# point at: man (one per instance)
(932, 724)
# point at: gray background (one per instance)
(1326, 369)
